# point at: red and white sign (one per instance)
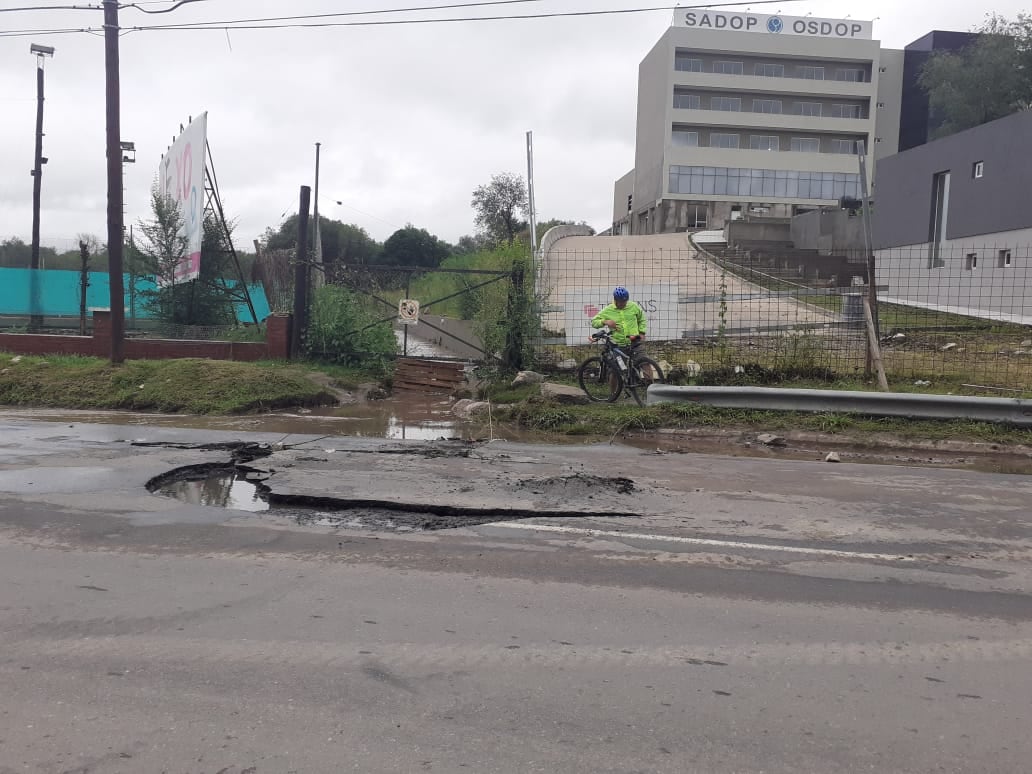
(181, 178)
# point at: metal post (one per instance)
(872, 290)
(84, 283)
(530, 192)
(301, 275)
(114, 181)
(35, 300)
(404, 328)
(318, 231)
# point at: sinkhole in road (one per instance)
(232, 487)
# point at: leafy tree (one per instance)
(342, 242)
(207, 300)
(988, 79)
(468, 245)
(16, 254)
(411, 246)
(496, 206)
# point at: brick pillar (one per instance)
(101, 332)
(277, 336)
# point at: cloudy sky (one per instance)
(411, 117)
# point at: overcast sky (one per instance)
(412, 118)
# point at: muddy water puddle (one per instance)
(229, 488)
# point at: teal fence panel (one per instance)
(56, 294)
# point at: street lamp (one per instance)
(35, 301)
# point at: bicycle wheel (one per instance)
(599, 382)
(645, 371)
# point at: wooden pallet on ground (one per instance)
(438, 376)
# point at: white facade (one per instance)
(745, 115)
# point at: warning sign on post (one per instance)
(408, 311)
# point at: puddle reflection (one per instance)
(225, 491)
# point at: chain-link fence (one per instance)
(761, 314)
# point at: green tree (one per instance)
(343, 243)
(496, 207)
(207, 300)
(988, 79)
(411, 246)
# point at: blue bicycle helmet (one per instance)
(620, 293)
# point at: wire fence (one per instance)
(765, 314)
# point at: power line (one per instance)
(53, 8)
(235, 25)
(244, 25)
(163, 10)
(368, 13)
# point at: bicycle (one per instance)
(604, 378)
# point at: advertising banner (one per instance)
(181, 178)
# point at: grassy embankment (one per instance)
(523, 407)
(189, 386)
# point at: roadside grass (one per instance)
(611, 419)
(190, 385)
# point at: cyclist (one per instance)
(623, 317)
(626, 320)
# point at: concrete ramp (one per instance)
(683, 293)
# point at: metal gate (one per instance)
(371, 280)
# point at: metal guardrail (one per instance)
(1014, 411)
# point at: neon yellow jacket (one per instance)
(630, 322)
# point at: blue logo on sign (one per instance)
(774, 24)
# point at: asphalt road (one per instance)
(750, 616)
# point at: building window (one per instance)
(766, 105)
(719, 140)
(845, 111)
(843, 146)
(732, 104)
(978, 169)
(685, 139)
(687, 102)
(810, 73)
(1004, 260)
(728, 68)
(769, 70)
(763, 184)
(806, 145)
(686, 64)
(940, 217)
(971, 261)
(808, 109)
(847, 74)
(764, 142)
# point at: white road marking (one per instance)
(700, 541)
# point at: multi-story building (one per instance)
(917, 124)
(745, 114)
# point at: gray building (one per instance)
(744, 114)
(953, 224)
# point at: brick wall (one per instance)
(275, 347)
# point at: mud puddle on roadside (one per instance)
(234, 488)
(401, 417)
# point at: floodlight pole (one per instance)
(114, 180)
(35, 301)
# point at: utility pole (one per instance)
(114, 180)
(302, 273)
(84, 283)
(530, 193)
(318, 232)
(35, 299)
